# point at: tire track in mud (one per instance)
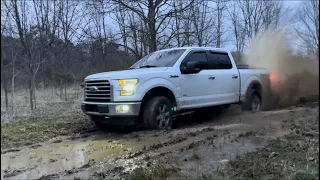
(226, 134)
(155, 144)
(153, 150)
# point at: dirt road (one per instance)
(195, 147)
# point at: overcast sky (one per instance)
(111, 25)
(229, 45)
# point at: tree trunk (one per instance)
(12, 88)
(219, 26)
(5, 83)
(34, 94)
(152, 27)
(5, 80)
(31, 94)
(65, 91)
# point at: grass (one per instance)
(153, 173)
(48, 104)
(53, 117)
(32, 131)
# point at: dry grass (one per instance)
(48, 103)
(53, 117)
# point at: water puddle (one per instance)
(58, 157)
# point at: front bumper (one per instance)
(111, 109)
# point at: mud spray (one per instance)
(293, 78)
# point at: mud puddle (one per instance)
(207, 145)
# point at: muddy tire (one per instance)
(253, 101)
(157, 113)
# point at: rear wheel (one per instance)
(253, 101)
(157, 113)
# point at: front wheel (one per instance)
(157, 113)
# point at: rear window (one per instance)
(220, 61)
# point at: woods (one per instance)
(55, 44)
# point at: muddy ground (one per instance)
(280, 144)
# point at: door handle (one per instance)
(174, 76)
(212, 77)
(234, 76)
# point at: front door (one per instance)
(196, 88)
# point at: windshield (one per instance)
(159, 59)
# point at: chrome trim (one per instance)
(111, 103)
(103, 90)
(111, 92)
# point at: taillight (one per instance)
(271, 77)
(274, 78)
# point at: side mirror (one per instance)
(192, 67)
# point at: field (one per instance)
(58, 141)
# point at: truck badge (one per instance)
(93, 89)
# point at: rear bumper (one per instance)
(114, 109)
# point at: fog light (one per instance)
(126, 93)
(122, 108)
(125, 108)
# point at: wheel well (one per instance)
(159, 91)
(255, 86)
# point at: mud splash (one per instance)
(294, 78)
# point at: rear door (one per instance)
(226, 78)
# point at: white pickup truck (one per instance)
(169, 81)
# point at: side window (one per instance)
(197, 56)
(220, 61)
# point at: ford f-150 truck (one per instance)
(170, 81)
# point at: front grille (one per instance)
(98, 91)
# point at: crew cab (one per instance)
(170, 81)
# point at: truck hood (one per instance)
(131, 73)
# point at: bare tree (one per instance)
(238, 28)
(19, 14)
(202, 24)
(4, 76)
(221, 6)
(153, 14)
(67, 18)
(309, 26)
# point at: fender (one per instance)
(247, 84)
(157, 82)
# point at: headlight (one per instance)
(123, 82)
(129, 86)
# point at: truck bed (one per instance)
(245, 66)
(242, 66)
